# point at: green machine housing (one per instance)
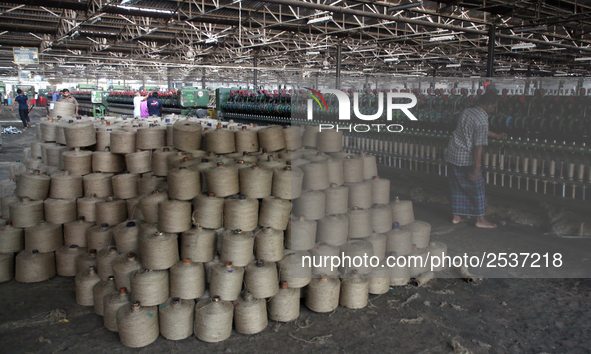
(192, 98)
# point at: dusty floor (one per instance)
(447, 315)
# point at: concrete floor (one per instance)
(495, 315)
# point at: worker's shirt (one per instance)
(154, 105)
(472, 130)
(22, 101)
(56, 96)
(70, 99)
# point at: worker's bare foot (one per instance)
(458, 219)
(485, 224)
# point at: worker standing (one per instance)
(464, 156)
(23, 108)
(137, 103)
(155, 105)
(67, 98)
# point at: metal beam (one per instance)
(338, 68)
(490, 59)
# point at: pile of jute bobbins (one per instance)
(190, 226)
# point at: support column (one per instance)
(338, 69)
(490, 60)
(255, 61)
(169, 82)
(203, 77)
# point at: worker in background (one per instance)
(155, 105)
(464, 156)
(23, 108)
(5, 99)
(56, 96)
(145, 113)
(137, 103)
(67, 98)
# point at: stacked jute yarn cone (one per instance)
(231, 231)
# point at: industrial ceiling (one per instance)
(182, 40)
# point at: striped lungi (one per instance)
(467, 197)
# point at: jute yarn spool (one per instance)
(49, 130)
(379, 279)
(213, 319)
(87, 207)
(78, 162)
(320, 254)
(139, 162)
(122, 142)
(30, 164)
(316, 176)
(149, 205)
(173, 159)
(33, 267)
(402, 211)
(149, 286)
(187, 161)
(44, 237)
(80, 134)
(237, 247)
(381, 218)
(359, 248)
(169, 135)
(99, 237)
(241, 213)
(272, 138)
(301, 234)
(98, 184)
(310, 204)
(104, 262)
(370, 167)
(360, 194)
(208, 269)
(360, 223)
(103, 138)
(198, 244)
(293, 270)
(380, 190)
(75, 232)
(11, 238)
(111, 304)
(353, 169)
(38, 134)
(159, 161)
(66, 257)
(33, 185)
(379, 244)
(133, 209)
(148, 184)
(226, 281)
(333, 229)
(183, 183)
(421, 232)
(159, 250)
(174, 216)
(202, 168)
(250, 314)
(6, 267)
(66, 185)
(85, 261)
(36, 149)
(299, 162)
(137, 325)
(268, 243)
(261, 279)
(111, 211)
(62, 109)
(419, 262)
(123, 266)
(439, 250)
(354, 292)
(272, 163)
(329, 140)
(26, 212)
(274, 213)
(106, 161)
(293, 137)
(222, 180)
(5, 205)
(246, 140)
(399, 274)
(220, 141)
(60, 136)
(100, 290)
(126, 235)
(150, 138)
(176, 318)
(125, 186)
(54, 155)
(85, 281)
(337, 199)
(187, 135)
(256, 181)
(285, 305)
(322, 294)
(60, 211)
(287, 182)
(309, 136)
(187, 280)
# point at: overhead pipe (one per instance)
(347, 11)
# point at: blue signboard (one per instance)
(26, 55)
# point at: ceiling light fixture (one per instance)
(582, 58)
(312, 53)
(523, 45)
(453, 65)
(387, 60)
(320, 19)
(405, 6)
(442, 38)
